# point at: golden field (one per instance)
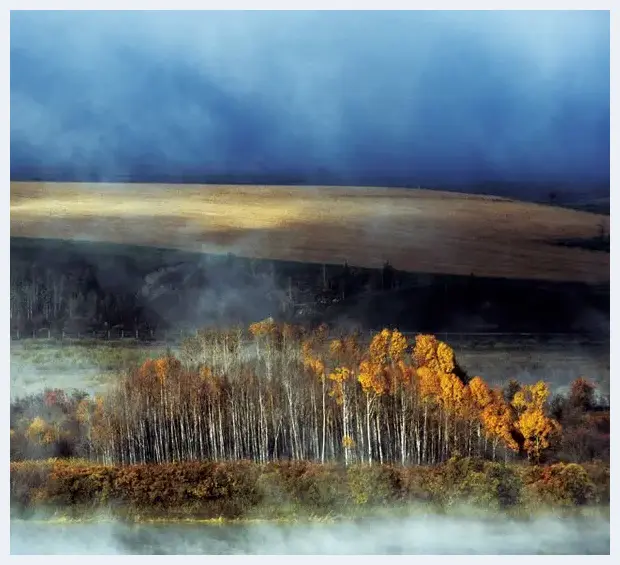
(415, 230)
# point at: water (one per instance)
(419, 535)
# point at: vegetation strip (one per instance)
(295, 424)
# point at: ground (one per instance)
(415, 230)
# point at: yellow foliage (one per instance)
(264, 328)
(339, 376)
(531, 396)
(371, 378)
(429, 383)
(348, 442)
(384, 369)
(311, 361)
(336, 346)
(40, 432)
(429, 352)
(538, 430)
(480, 393)
(398, 345)
(452, 392)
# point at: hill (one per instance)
(415, 230)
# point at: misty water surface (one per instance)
(420, 535)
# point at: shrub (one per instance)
(567, 485)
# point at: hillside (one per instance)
(415, 230)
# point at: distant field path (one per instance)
(416, 230)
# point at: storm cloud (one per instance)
(410, 98)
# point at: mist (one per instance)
(424, 534)
(436, 99)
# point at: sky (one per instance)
(435, 99)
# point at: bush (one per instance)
(240, 489)
(505, 483)
(563, 484)
(373, 485)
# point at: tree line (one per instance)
(67, 294)
(296, 394)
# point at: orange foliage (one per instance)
(384, 369)
(480, 393)
(429, 382)
(498, 420)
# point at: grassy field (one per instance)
(416, 230)
(87, 365)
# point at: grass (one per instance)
(83, 364)
(416, 230)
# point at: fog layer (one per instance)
(421, 535)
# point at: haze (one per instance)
(429, 98)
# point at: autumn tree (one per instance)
(537, 429)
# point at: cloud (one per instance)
(418, 97)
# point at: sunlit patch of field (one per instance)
(415, 230)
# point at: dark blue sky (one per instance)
(400, 98)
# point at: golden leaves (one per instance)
(536, 428)
(498, 420)
(452, 392)
(336, 347)
(348, 442)
(39, 431)
(311, 360)
(371, 377)
(531, 396)
(383, 368)
(263, 328)
(429, 382)
(398, 345)
(339, 376)
(429, 352)
(480, 393)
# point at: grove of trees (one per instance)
(278, 392)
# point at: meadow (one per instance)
(415, 230)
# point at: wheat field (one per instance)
(415, 230)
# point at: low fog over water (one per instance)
(419, 535)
